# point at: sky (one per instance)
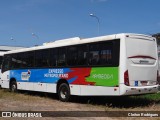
(34, 22)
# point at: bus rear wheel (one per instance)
(13, 86)
(64, 92)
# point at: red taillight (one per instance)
(126, 78)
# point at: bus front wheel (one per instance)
(13, 86)
(64, 92)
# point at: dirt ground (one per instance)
(33, 101)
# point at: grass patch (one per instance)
(122, 101)
(152, 97)
(20, 96)
(110, 102)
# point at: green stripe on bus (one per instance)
(104, 76)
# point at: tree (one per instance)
(157, 36)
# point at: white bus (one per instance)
(112, 65)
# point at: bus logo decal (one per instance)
(25, 75)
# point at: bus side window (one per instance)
(6, 63)
(106, 56)
(30, 59)
(72, 56)
(82, 55)
(94, 54)
(106, 53)
(1, 58)
(53, 57)
(42, 58)
(13, 62)
(61, 56)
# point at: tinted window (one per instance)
(61, 57)
(13, 62)
(6, 63)
(22, 60)
(116, 52)
(94, 54)
(82, 54)
(19, 61)
(29, 58)
(1, 58)
(106, 53)
(72, 56)
(42, 58)
(53, 57)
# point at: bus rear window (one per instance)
(141, 47)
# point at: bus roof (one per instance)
(7, 48)
(76, 41)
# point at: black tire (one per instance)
(13, 86)
(64, 92)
